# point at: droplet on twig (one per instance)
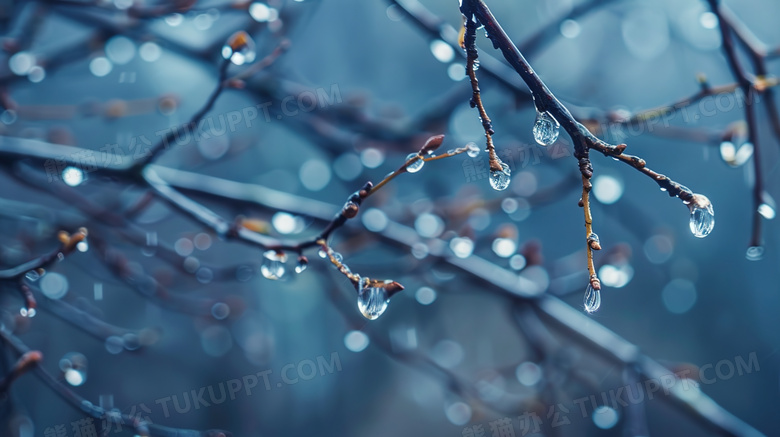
(273, 264)
(473, 150)
(240, 48)
(767, 206)
(754, 253)
(372, 301)
(702, 216)
(546, 128)
(592, 298)
(500, 180)
(415, 165)
(303, 264)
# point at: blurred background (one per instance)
(349, 90)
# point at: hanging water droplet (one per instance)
(273, 264)
(372, 301)
(415, 166)
(60, 257)
(322, 253)
(240, 48)
(27, 312)
(754, 253)
(767, 207)
(766, 211)
(302, 265)
(702, 216)
(473, 150)
(728, 152)
(592, 298)
(500, 180)
(546, 128)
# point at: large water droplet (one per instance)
(546, 128)
(415, 166)
(473, 150)
(500, 180)
(702, 216)
(273, 264)
(372, 301)
(592, 299)
(754, 253)
(240, 48)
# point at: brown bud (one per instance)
(432, 144)
(238, 40)
(393, 288)
(593, 241)
(350, 210)
(63, 236)
(28, 360)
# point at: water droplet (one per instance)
(82, 246)
(337, 256)
(240, 49)
(766, 211)
(302, 265)
(754, 253)
(702, 216)
(273, 264)
(767, 207)
(372, 301)
(546, 128)
(415, 166)
(32, 275)
(74, 368)
(473, 150)
(500, 180)
(592, 299)
(27, 312)
(322, 253)
(60, 257)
